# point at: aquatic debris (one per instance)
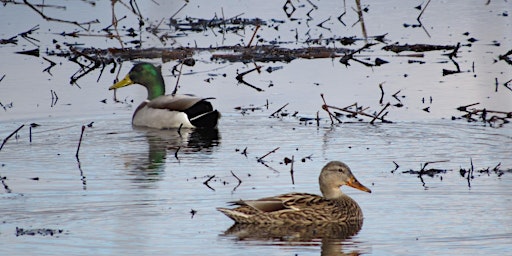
(354, 110)
(208, 185)
(10, 135)
(494, 118)
(260, 159)
(80, 24)
(192, 213)
(33, 52)
(80, 141)
(290, 161)
(55, 98)
(429, 172)
(38, 231)
(468, 174)
(6, 187)
(230, 24)
(240, 78)
(350, 56)
(420, 24)
(274, 114)
(239, 181)
(397, 48)
(506, 57)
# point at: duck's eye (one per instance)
(340, 170)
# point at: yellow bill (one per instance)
(125, 82)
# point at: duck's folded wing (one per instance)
(269, 204)
(175, 103)
(291, 201)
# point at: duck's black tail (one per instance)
(202, 115)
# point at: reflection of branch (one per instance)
(239, 181)
(59, 20)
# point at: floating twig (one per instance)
(52, 64)
(396, 167)
(240, 78)
(207, 181)
(10, 135)
(279, 110)
(270, 152)
(382, 110)
(253, 35)
(422, 11)
(326, 108)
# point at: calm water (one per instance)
(138, 196)
(140, 191)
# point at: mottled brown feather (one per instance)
(304, 208)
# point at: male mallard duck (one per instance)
(303, 208)
(166, 111)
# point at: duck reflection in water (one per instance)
(148, 167)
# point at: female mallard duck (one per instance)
(303, 208)
(166, 111)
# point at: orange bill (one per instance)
(355, 184)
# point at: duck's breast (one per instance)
(160, 118)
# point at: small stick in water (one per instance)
(10, 135)
(208, 180)
(80, 141)
(272, 151)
